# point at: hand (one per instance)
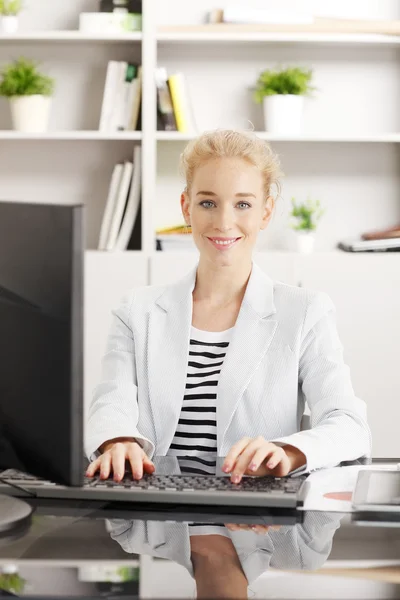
(257, 456)
(259, 529)
(115, 453)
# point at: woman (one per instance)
(222, 361)
(283, 343)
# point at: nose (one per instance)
(224, 219)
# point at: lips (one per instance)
(233, 242)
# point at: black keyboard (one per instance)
(200, 482)
(286, 492)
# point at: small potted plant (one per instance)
(305, 218)
(9, 10)
(282, 92)
(30, 95)
(10, 580)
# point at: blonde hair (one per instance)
(232, 144)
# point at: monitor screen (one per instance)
(41, 341)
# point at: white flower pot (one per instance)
(30, 113)
(9, 24)
(283, 113)
(305, 242)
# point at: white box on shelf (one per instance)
(109, 23)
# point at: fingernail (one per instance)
(253, 466)
(236, 478)
(270, 465)
(225, 469)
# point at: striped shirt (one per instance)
(196, 434)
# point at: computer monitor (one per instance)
(41, 340)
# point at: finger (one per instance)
(276, 457)
(105, 465)
(148, 465)
(260, 529)
(246, 458)
(134, 454)
(118, 461)
(233, 453)
(93, 467)
(261, 456)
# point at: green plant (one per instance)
(12, 582)
(306, 214)
(128, 573)
(292, 80)
(10, 7)
(22, 78)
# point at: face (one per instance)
(227, 204)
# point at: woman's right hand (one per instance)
(114, 454)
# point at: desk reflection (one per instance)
(224, 561)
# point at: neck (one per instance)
(219, 285)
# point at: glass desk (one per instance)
(103, 550)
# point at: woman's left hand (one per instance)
(257, 456)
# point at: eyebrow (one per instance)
(239, 195)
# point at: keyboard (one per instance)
(186, 489)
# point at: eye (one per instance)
(246, 204)
(205, 202)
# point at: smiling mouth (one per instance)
(221, 243)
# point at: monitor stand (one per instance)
(15, 518)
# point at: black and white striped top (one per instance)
(196, 433)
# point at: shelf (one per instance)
(351, 39)
(69, 36)
(174, 136)
(72, 135)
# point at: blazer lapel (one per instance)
(251, 337)
(168, 348)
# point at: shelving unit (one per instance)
(348, 157)
(68, 36)
(92, 135)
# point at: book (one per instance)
(388, 245)
(132, 205)
(134, 112)
(165, 111)
(116, 120)
(238, 14)
(119, 206)
(181, 103)
(110, 203)
(130, 86)
(172, 242)
(110, 88)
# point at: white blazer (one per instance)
(284, 351)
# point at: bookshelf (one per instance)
(348, 156)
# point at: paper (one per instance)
(332, 489)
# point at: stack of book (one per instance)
(121, 216)
(120, 110)
(174, 107)
(175, 238)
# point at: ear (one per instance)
(185, 206)
(267, 212)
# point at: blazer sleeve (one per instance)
(114, 409)
(339, 429)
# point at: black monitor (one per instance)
(41, 340)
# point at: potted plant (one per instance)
(282, 92)
(9, 10)
(30, 94)
(10, 580)
(305, 218)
